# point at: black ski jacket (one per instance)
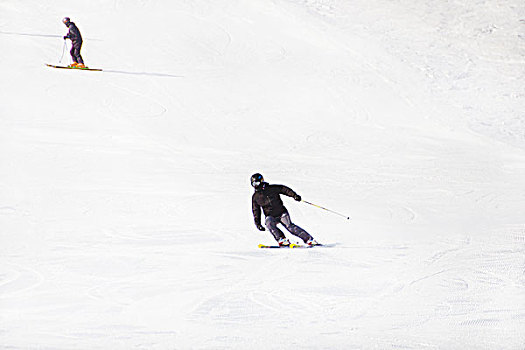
(268, 198)
(74, 33)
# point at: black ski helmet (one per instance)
(66, 20)
(256, 180)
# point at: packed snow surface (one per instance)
(125, 202)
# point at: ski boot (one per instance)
(311, 242)
(73, 65)
(80, 65)
(284, 242)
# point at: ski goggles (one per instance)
(257, 182)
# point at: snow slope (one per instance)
(125, 214)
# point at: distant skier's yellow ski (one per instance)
(67, 67)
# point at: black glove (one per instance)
(260, 227)
(297, 197)
(65, 37)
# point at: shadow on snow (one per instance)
(145, 73)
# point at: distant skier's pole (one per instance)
(331, 211)
(63, 50)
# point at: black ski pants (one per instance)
(75, 52)
(284, 219)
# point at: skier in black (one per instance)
(76, 43)
(268, 198)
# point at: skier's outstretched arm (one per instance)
(287, 191)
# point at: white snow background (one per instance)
(125, 202)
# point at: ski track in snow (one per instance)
(17, 280)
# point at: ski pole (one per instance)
(63, 50)
(331, 211)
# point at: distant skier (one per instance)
(76, 43)
(268, 198)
